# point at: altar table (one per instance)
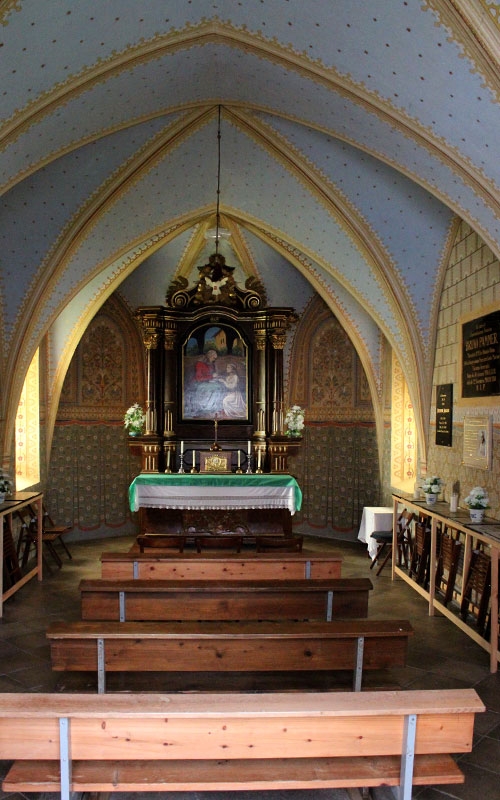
(209, 491)
(374, 518)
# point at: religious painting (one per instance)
(215, 374)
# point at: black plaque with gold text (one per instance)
(444, 414)
(481, 356)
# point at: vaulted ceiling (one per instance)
(352, 136)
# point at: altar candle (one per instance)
(182, 448)
(258, 459)
(249, 448)
(168, 459)
(194, 458)
(239, 459)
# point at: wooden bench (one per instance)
(214, 566)
(224, 600)
(354, 645)
(203, 742)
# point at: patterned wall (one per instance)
(337, 466)
(91, 465)
(471, 283)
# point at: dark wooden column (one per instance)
(260, 395)
(152, 335)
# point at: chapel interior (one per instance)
(312, 190)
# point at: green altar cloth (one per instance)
(215, 491)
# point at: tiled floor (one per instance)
(440, 656)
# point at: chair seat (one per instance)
(381, 536)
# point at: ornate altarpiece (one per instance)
(215, 320)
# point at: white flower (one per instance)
(134, 417)
(6, 484)
(432, 485)
(294, 419)
(477, 498)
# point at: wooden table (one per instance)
(7, 548)
(487, 533)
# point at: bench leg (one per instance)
(101, 667)
(407, 758)
(358, 672)
(64, 758)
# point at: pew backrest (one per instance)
(224, 600)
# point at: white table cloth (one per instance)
(374, 518)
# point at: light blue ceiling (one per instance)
(352, 134)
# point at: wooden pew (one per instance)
(224, 600)
(216, 566)
(203, 742)
(228, 646)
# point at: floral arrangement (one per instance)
(477, 498)
(6, 484)
(134, 419)
(432, 485)
(294, 420)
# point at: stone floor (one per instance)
(440, 656)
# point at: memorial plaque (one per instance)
(481, 356)
(444, 414)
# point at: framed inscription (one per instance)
(477, 442)
(480, 371)
(444, 414)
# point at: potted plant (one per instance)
(134, 420)
(6, 486)
(477, 500)
(294, 421)
(431, 487)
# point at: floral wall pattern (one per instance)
(337, 466)
(91, 464)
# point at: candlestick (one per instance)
(194, 458)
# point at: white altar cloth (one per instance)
(374, 518)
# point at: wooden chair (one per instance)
(49, 528)
(450, 550)
(28, 538)
(162, 542)
(420, 557)
(384, 541)
(287, 544)
(227, 542)
(477, 592)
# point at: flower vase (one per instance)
(430, 498)
(133, 432)
(2, 497)
(476, 515)
(293, 434)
